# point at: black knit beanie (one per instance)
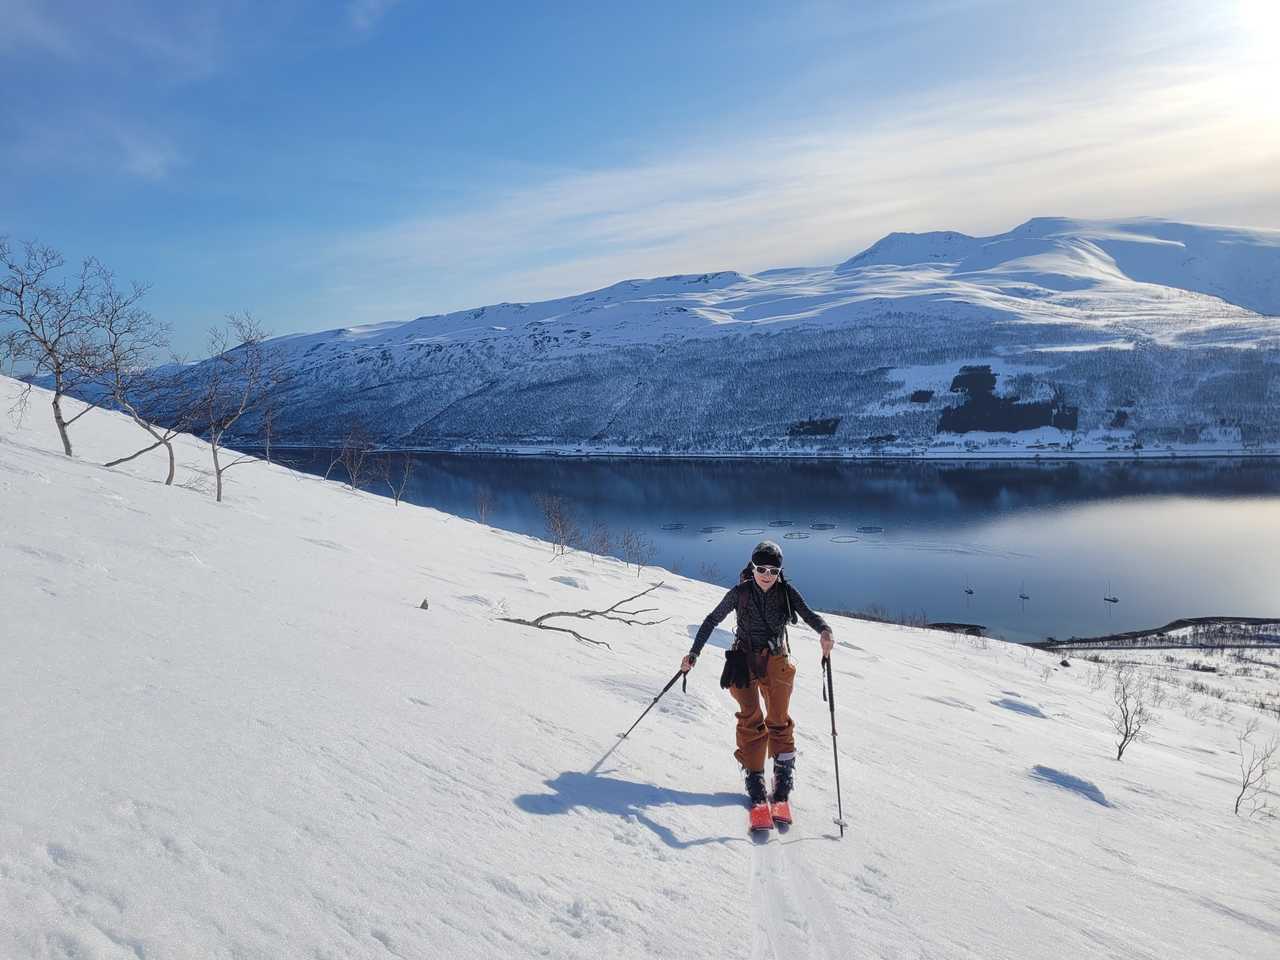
(767, 552)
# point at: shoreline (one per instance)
(1133, 639)
(1009, 456)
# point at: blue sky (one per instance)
(324, 165)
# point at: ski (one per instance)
(782, 812)
(761, 818)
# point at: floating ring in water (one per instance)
(795, 535)
(871, 529)
(844, 539)
(751, 532)
(711, 530)
(822, 526)
(673, 526)
(782, 523)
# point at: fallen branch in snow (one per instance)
(614, 613)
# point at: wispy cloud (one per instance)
(1168, 142)
(92, 143)
(30, 27)
(144, 154)
(365, 15)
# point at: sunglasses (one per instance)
(766, 570)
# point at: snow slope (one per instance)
(1148, 335)
(229, 731)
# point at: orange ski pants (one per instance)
(770, 729)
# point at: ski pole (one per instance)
(670, 683)
(829, 695)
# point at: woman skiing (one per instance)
(759, 666)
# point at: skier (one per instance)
(759, 665)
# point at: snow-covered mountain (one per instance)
(1058, 336)
(230, 730)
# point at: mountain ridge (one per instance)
(1070, 312)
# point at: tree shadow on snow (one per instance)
(623, 798)
(1068, 782)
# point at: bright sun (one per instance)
(1260, 24)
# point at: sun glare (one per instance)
(1259, 22)
(1258, 74)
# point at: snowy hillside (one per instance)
(1060, 337)
(229, 730)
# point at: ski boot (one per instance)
(761, 818)
(784, 769)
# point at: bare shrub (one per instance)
(395, 471)
(598, 542)
(559, 522)
(1256, 763)
(237, 379)
(124, 366)
(355, 456)
(196, 481)
(46, 321)
(1131, 713)
(637, 549)
(1098, 675)
(709, 572)
(1159, 691)
(484, 503)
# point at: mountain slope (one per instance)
(231, 732)
(1087, 337)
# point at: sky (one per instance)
(326, 165)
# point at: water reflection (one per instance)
(950, 541)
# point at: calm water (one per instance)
(1168, 539)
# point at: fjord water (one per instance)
(1168, 539)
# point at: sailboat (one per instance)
(1109, 596)
(1022, 592)
(968, 589)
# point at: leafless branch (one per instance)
(614, 613)
(1256, 763)
(49, 319)
(238, 378)
(561, 526)
(1131, 714)
(484, 503)
(397, 480)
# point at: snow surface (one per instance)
(229, 731)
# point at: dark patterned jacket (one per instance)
(762, 616)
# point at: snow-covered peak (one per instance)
(906, 249)
(1238, 264)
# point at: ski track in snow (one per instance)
(793, 916)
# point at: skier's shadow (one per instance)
(623, 798)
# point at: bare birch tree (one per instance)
(395, 472)
(46, 321)
(484, 503)
(598, 542)
(637, 548)
(1256, 763)
(354, 456)
(236, 379)
(561, 526)
(123, 365)
(1131, 713)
